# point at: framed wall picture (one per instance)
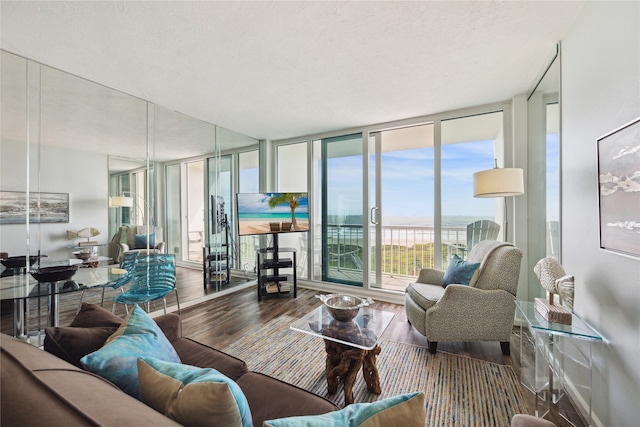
(54, 207)
(619, 189)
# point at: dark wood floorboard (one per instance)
(222, 320)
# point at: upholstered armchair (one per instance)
(483, 310)
(134, 237)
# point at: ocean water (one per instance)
(454, 221)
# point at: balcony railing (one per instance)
(405, 249)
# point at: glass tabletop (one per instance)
(364, 331)
(25, 286)
(578, 327)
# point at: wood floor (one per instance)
(222, 320)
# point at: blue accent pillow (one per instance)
(407, 410)
(192, 396)
(459, 272)
(116, 361)
(140, 241)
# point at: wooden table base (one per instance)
(343, 364)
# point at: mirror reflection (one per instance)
(543, 106)
(120, 160)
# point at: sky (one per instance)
(408, 182)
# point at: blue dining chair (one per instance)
(152, 278)
(127, 264)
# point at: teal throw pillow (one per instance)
(192, 396)
(459, 272)
(407, 410)
(116, 361)
(140, 241)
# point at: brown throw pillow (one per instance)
(92, 315)
(72, 344)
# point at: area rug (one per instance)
(460, 391)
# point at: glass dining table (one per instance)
(22, 287)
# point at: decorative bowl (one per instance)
(19, 261)
(83, 255)
(344, 307)
(54, 274)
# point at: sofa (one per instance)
(50, 387)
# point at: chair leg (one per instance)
(102, 300)
(113, 308)
(164, 304)
(433, 345)
(506, 347)
(178, 302)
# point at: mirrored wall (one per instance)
(85, 143)
(543, 186)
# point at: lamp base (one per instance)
(552, 312)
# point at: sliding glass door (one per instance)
(401, 200)
(195, 208)
(341, 177)
(185, 207)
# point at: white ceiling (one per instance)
(275, 70)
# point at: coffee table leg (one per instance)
(333, 361)
(343, 362)
(370, 371)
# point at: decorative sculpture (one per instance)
(556, 281)
(87, 233)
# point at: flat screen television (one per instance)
(272, 213)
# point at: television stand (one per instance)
(272, 280)
(216, 264)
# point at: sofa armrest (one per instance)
(430, 276)
(125, 247)
(171, 325)
(160, 247)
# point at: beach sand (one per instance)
(262, 227)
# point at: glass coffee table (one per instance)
(349, 345)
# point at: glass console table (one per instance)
(556, 347)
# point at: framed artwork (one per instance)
(54, 207)
(619, 189)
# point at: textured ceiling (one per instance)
(274, 70)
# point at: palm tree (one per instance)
(294, 201)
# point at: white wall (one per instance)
(83, 175)
(600, 92)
